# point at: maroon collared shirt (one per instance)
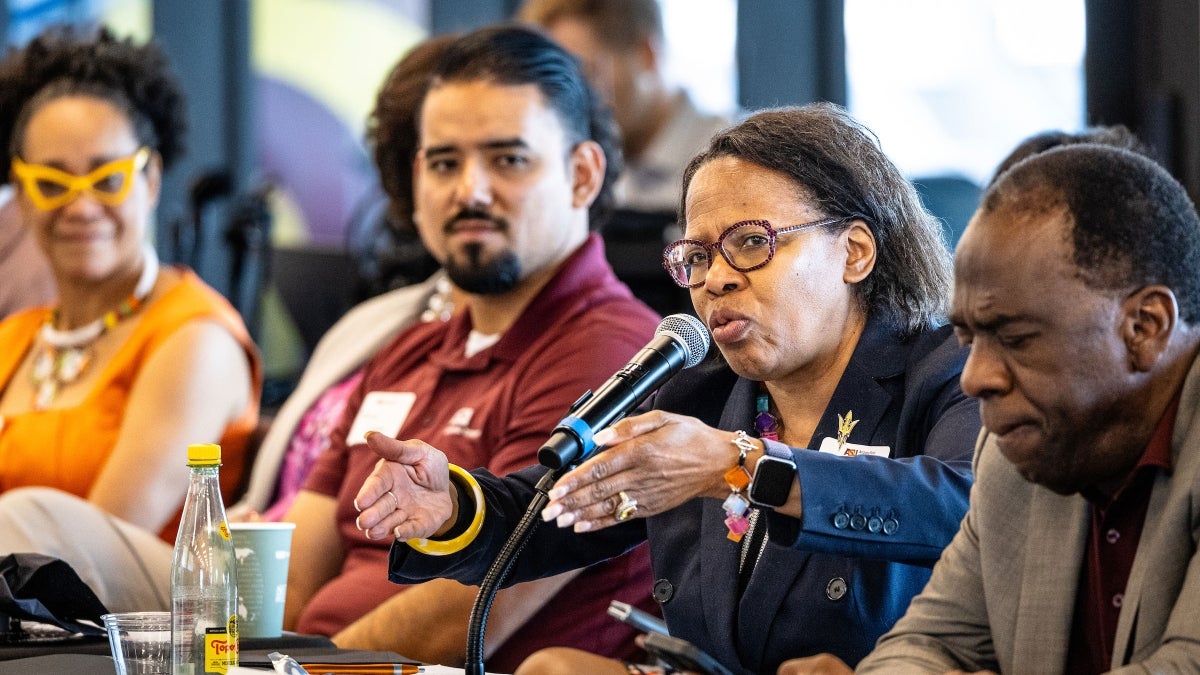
(1116, 529)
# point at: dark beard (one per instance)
(494, 277)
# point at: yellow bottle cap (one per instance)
(204, 454)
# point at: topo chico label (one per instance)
(221, 647)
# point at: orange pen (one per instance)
(362, 668)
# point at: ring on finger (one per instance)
(395, 499)
(625, 508)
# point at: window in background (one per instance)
(700, 38)
(318, 65)
(27, 18)
(951, 86)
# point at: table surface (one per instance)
(79, 655)
(60, 664)
(102, 664)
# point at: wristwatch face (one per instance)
(773, 478)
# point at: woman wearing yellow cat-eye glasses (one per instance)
(101, 393)
(49, 188)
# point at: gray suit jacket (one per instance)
(1002, 596)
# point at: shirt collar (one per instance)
(1158, 451)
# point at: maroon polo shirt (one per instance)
(494, 409)
(1116, 529)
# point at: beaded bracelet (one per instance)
(738, 478)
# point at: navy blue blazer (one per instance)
(820, 585)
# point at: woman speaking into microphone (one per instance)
(797, 485)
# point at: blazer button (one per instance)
(841, 519)
(663, 591)
(874, 523)
(836, 589)
(858, 521)
(890, 525)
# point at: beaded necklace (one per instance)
(66, 354)
(440, 306)
(766, 424)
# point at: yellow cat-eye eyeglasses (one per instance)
(50, 188)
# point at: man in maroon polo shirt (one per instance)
(1077, 286)
(514, 153)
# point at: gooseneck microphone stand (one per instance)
(681, 341)
(501, 567)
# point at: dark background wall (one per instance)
(1142, 69)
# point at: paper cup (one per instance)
(140, 642)
(263, 550)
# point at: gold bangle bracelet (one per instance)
(436, 547)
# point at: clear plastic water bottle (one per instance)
(204, 630)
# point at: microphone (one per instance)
(680, 341)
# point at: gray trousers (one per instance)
(128, 567)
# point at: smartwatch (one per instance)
(772, 482)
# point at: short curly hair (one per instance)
(1131, 224)
(66, 62)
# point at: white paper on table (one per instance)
(429, 670)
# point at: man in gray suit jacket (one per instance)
(1077, 286)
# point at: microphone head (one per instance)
(689, 332)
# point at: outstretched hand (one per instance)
(407, 494)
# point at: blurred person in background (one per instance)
(1116, 135)
(301, 430)
(103, 391)
(621, 45)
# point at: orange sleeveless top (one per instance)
(66, 448)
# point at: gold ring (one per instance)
(625, 508)
(395, 499)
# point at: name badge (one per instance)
(830, 445)
(382, 411)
